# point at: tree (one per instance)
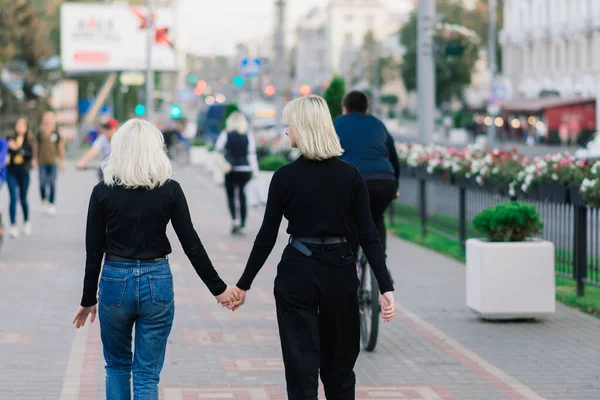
(334, 96)
(452, 71)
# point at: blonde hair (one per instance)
(237, 122)
(137, 157)
(311, 122)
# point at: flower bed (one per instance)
(547, 178)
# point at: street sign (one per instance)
(250, 67)
(132, 78)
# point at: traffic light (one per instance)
(140, 110)
(270, 90)
(238, 81)
(192, 79)
(175, 111)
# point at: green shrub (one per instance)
(271, 162)
(334, 96)
(508, 222)
(199, 142)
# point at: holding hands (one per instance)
(232, 298)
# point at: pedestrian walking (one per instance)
(127, 220)
(101, 146)
(3, 176)
(19, 164)
(239, 148)
(316, 284)
(50, 154)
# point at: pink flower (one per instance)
(564, 161)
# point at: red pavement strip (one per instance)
(393, 392)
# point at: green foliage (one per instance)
(452, 71)
(389, 99)
(198, 142)
(509, 222)
(229, 109)
(334, 96)
(271, 162)
(463, 119)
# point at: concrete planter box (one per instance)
(199, 156)
(510, 280)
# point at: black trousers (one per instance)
(237, 180)
(381, 195)
(318, 317)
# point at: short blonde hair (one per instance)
(137, 157)
(237, 122)
(310, 119)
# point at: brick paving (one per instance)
(435, 349)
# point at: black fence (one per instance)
(447, 209)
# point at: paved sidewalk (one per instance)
(435, 349)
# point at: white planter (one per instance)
(199, 156)
(510, 280)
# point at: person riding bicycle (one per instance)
(101, 145)
(369, 146)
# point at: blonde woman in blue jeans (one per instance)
(127, 220)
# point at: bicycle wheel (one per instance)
(368, 303)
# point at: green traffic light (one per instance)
(140, 110)
(238, 81)
(175, 111)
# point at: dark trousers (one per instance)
(381, 195)
(48, 181)
(18, 178)
(318, 317)
(237, 180)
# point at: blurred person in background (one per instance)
(50, 155)
(369, 146)
(239, 148)
(19, 163)
(3, 174)
(101, 145)
(126, 227)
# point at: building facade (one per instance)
(327, 37)
(552, 47)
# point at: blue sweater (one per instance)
(368, 145)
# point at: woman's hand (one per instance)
(228, 297)
(242, 299)
(12, 144)
(388, 305)
(82, 313)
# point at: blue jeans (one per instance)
(17, 178)
(48, 181)
(140, 294)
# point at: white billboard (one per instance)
(112, 37)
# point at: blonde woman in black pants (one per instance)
(239, 149)
(316, 284)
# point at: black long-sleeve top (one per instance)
(132, 223)
(318, 198)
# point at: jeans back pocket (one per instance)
(112, 291)
(161, 290)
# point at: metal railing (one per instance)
(447, 209)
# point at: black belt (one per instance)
(299, 243)
(110, 257)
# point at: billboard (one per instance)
(112, 37)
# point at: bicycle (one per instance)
(368, 302)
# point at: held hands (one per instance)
(388, 305)
(82, 313)
(232, 298)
